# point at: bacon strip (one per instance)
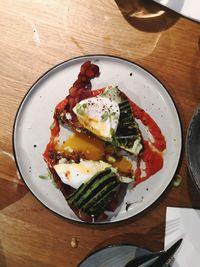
(81, 89)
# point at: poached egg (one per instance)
(75, 174)
(100, 115)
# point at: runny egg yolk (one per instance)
(93, 149)
(124, 165)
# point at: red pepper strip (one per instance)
(153, 163)
(159, 140)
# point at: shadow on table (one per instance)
(11, 187)
(10, 192)
(2, 257)
(155, 235)
(194, 74)
(147, 15)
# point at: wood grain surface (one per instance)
(38, 34)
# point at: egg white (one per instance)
(75, 174)
(100, 115)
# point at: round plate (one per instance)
(193, 148)
(31, 129)
(117, 255)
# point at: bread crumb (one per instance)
(74, 242)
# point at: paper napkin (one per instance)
(184, 223)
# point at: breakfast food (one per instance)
(109, 116)
(92, 167)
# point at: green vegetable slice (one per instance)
(128, 130)
(93, 196)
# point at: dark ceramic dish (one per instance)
(193, 148)
(113, 256)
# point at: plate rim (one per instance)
(46, 73)
(111, 246)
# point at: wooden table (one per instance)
(36, 35)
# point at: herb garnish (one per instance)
(81, 108)
(105, 116)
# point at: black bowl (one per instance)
(193, 148)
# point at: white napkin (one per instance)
(184, 223)
(188, 8)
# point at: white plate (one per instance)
(31, 128)
(187, 8)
